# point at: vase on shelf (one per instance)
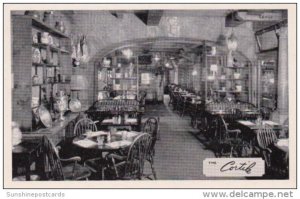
(16, 134)
(62, 105)
(49, 17)
(59, 25)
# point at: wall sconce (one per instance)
(194, 73)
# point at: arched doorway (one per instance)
(166, 59)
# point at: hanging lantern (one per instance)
(232, 42)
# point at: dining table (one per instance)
(280, 156)
(255, 126)
(283, 145)
(249, 129)
(98, 141)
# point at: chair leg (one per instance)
(102, 174)
(153, 172)
(231, 151)
(183, 111)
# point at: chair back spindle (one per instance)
(84, 125)
(52, 158)
(136, 156)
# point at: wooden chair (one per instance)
(265, 113)
(142, 98)
(131, 166)
(228, 138)
(266, 137)
(180, 104)
(171, 95)
(71, 171)
(151, 126)
(84, 125)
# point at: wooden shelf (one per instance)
(47, 28)
(44, 84)
(221, 91)
(125, 90)
(234, 68)
(125, 78)
(233, 79)
(47, 65)
(37, 85)
(52, 48)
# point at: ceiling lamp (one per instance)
(194, 73)
(127, 53)
(232, 42)
(156, 57)
(106, 62)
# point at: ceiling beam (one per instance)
(236, 18)
(149, 17)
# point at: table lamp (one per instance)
(78, 83)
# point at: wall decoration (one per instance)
(173, 27)
(79, 50)
(145, 78)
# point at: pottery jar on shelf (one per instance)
(45, 38)
(35, 79)
(59, 25)
(49, 18)
(33, 13)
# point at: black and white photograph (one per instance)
(150, 93)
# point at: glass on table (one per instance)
(100, 140)
(124, 135)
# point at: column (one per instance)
(281, 114)
(176, 70)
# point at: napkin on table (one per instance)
(119, 144)
(246, 123)
(85, 143)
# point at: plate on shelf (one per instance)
(75, 105)
(36, 56)
(35, 38)
(50, 40)
(45, 116)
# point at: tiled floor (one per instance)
(179, 155)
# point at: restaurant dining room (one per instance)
(158, 94)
